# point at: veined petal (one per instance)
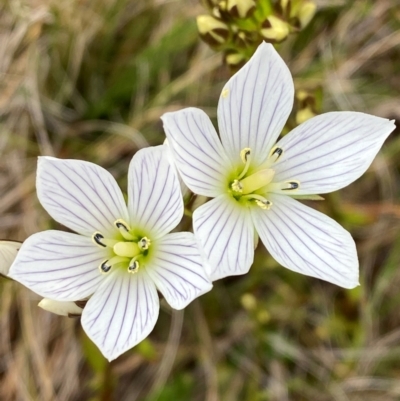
(59, 265)
(8, 253)
(307, 241)
(330, 151)
(184, 189)
(255, 104)
(80, 195)
(225, 232)
(177, 269)
(197, 150)
(154, 196)
(121, 313)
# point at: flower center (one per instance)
(125, 253)
(254, 184)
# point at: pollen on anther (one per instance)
(237, 186)
(133, 267)
(144, 243)
(263, 204)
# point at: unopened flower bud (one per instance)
(235, 59)
(241, 8)
(61, 308)
(306, 12)
(274, 29)
(304, 115)
(212, 30)
(283, 7)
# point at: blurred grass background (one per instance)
(89, 79)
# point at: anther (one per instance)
(133, 266)
(291, 185)
(263, 204)
(244, 154)
(105, 267)
(121, 224)
(97, 237)
(237, 186)
(124, 229)
(275, 154)
(144, 243)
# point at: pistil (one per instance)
(127, 249)
(259, 179)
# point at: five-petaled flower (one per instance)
(122, 254)
(254, 180)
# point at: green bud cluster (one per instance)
(237, 27)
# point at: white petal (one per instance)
(255, 104)
(330, 151)
(184, 189)
(177, 269)
(121, 313)
(226, 234)
(154, 196)
(197, 150)
(60, 308)
(8, 253)
(58, 265)
(80, 195)
(307, 241)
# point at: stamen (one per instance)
(260, 201)
(115, 261)
(245, 155)
(237, 186)
(124, 229)
(290, 185)
(133, 266)
(275, 154)
(264, 204)
(99, 239)
(144, 243)
(105, 267)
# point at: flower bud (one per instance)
(274, 29)
(305, 106)
(304, 115)
(212, 30)
(306, 12)
(69, 309)
(241, 8)
(283, 7)
(235, 60)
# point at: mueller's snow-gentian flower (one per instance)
(123, 253)
(254, 180)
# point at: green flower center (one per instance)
(253, 184)
(127, 252)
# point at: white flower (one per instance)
(8, 253)
(254, 180)
(123, 253)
